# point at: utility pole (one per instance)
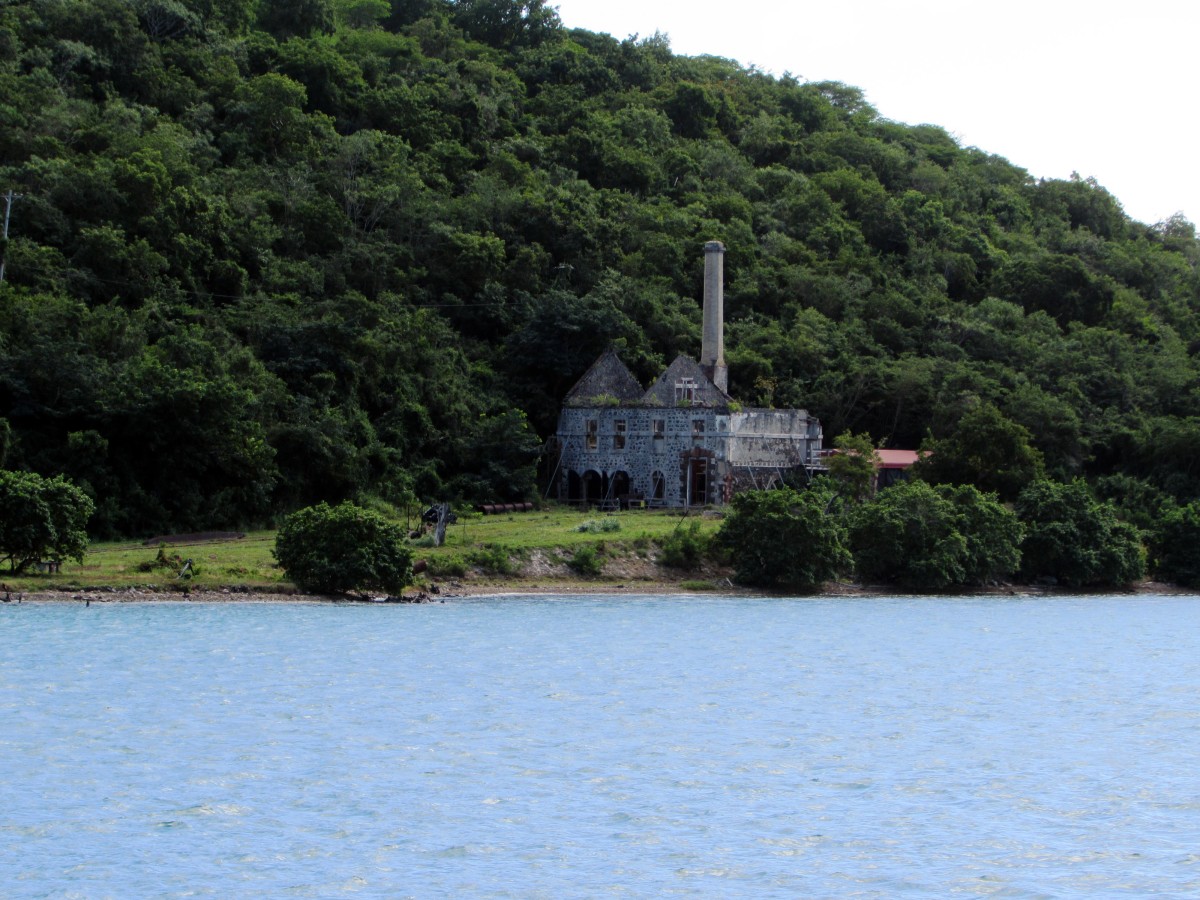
(8, 202)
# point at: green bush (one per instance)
(41, 519)
(586, 562)
(1076, 540)
(492, 559)
(685, 548)
(930, 538)
(333, 550)
(992, 531)
(450, 565)
(784, 538)
(593, 527)
(1177, 546)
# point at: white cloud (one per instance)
(1056, 86)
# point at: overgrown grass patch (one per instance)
(471, 543)
(492, 559)
(129, 564)
(586, 562)
(559, 527)
(447, 565)
(602, 526)
(685, 547)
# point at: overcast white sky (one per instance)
(1101, 88)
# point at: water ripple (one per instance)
(698, 747)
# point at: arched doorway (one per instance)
(698, 488)
(658, 485)
(619, 486)
(574, 487)
(697, 471)
(593, 487)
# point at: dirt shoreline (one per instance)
(455, 590)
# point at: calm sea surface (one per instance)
(601, 746)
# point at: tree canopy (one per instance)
(785, 538)
(985, 449)
(1177, 543)
(41, 519)
(1074, 539)
(337, 549)
(265, 255)
(931, 538)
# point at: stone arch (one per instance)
(619, 486)
(593, 486)
(658, 485)
(697, 476)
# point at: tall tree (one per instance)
(932, 538)
(852, 468)
(285, 19)
(1074, 540)
(41, 519)
(785, 538)
(985, 449)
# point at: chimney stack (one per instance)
(712, 348)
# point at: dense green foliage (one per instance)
(586, 562)
(985, 449)
(336, 549)
(269, 254)
(931, 538)
(1076, 540)
(41, 519)
(852, 468)
(1177, 544)
(992, 533)
(785, 538)
(685, 548)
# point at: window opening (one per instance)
(685, 390)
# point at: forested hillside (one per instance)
(264, 254)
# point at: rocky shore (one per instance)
(451, 590)
(434, 593)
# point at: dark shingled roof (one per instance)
(607, 378)
(662, 392)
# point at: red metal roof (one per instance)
(897, 459)
(888, 459)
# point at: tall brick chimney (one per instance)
(712, 348)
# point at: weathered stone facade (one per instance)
(684, 441)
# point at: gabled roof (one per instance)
(607, 378)
(684, 368)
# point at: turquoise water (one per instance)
(601, 746)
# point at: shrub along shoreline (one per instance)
(776, 543)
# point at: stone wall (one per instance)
(647, 452)
(773, 438)
(680, 455)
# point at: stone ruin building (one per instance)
(684, 442)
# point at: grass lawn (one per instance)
(247, 562)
